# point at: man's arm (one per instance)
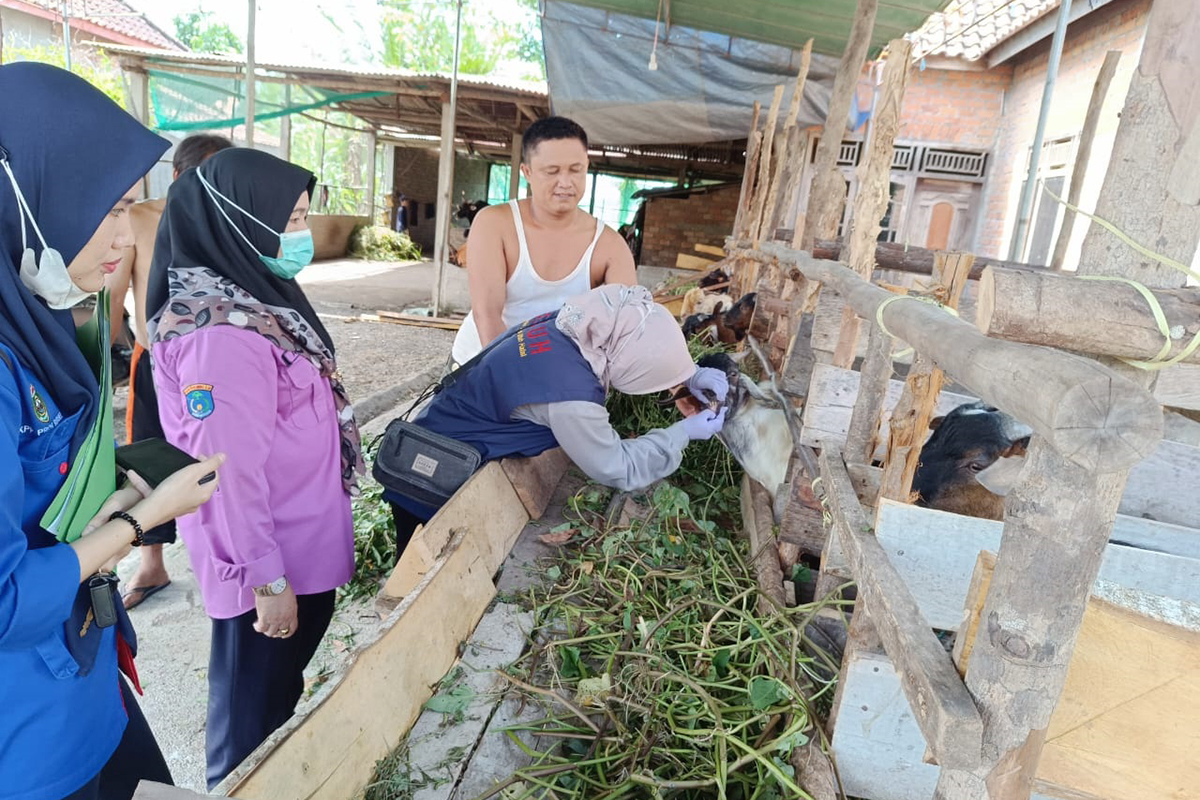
(618, 261)
(487, 271)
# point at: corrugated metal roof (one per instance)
(970, 28)
(535, 89)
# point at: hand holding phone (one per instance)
(155, 460)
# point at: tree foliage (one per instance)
(92, 65)
(419, 35)
(198, 31)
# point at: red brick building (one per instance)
(969, 115)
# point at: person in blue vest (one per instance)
(543, 385)
(70, 163)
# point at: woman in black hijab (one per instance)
(70, 160)
(243, 365)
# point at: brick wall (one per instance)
(675, 224)
(960, 107)
(416, 175)
(1117, 26)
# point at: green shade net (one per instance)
(192, 103)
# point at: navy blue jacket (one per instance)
(534, 362)
(57, 727)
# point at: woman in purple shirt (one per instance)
(243, 365)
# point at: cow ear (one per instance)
(935, 423)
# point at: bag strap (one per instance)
(455, 375)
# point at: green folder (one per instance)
(93, 475)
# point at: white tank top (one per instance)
(528, 294)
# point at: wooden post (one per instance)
(514, 179)
(910, 419)
(874, 179)
(372, 140)
(1083, 154)
(872, 390)
(1088, 316)
(762, 185)
(442, 219)
(908, 258)
(790, 152)
(1152, 189)
(829, 190)
(1057, 522)
(137, 99)
(251, 83)
(748, 172)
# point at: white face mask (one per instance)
(46, 277)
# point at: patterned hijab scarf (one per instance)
(205, 273)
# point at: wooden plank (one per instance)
(935, 552)
(1124, 730)
(830, 404)
(535, 479)
(1083, 153)
(977, 591)
(1126, 727)
(444, 323)
(330, 753)
(1102, 421)
(1159, 487)
(1179, 387)
(862, 435)
(708, 249)
(688, 261)
(486, 506)
(945, 711)
(149, 790)
(874, 177)
(828, 194)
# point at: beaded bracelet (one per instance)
(139, 537)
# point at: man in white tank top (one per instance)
(528, 256)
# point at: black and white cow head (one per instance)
(971, 461)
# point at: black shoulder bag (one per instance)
(421, 465)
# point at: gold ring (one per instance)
(285, 631)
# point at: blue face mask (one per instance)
(295, 247)
(296, 253)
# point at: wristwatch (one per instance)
(272, 589)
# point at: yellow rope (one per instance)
(928, 300)
(1159, 361)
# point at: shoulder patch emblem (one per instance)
(199, 399)
(39, 405)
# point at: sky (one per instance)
(297, 30)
